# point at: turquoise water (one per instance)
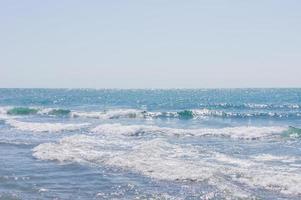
(150, 144)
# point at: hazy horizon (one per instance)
(149, 88)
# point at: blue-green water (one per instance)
(150, 144)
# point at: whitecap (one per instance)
(241, 132)
(270, 157)
(44, 127)
(110, 114)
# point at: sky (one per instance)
(150, 43)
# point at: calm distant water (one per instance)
(150, 144)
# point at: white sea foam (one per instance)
(254, 105)
(3, 110)
(4, 115)
(110, 114)
(162, 160)
(44, 127)
(269, 157)
(206, 112)
(43, 190)
(45, 111)
(242, 132)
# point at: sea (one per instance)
(150, 144)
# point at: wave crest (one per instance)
(136, 113)
(22, 111)
(44, 127)
(241, 132)
(111, 114)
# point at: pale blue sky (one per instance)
(150, 44)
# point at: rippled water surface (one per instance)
(150, 144)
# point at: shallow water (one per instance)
(150, 144)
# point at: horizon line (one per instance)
(146, 88)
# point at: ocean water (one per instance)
(150, 144)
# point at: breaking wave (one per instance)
(111, 114)
(293, 132)
(136, 113)
(241, 132)
(54, 111)
(44, 127)
(252, 106)
(162, 160)
(14, 111)
(189, 114)
(184, 114)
